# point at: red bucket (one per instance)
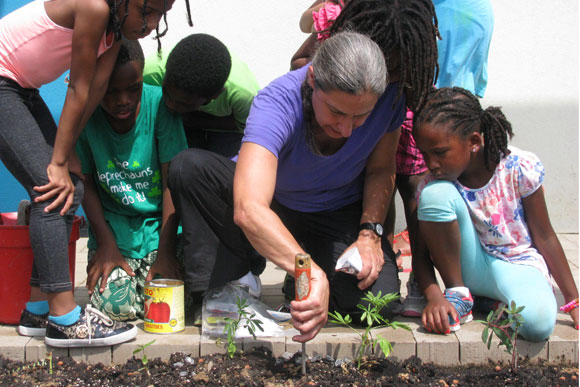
(16, 265)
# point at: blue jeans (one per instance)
(486, 275)
(27, 134)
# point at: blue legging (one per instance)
(486, 275)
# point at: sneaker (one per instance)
(252, 283)
(415, 301)
(32, 324)
(463, 305)
(93, 329)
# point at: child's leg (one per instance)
(440, 202)
(527, 287)
(122, 299)
(27, 133)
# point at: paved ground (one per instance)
(464, 346)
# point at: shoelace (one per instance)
(96, 315)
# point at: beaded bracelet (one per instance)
(569, 306)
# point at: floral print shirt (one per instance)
(497, 209)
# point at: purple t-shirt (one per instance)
(305, 181)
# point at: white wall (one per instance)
(533, 72)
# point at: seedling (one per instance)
(40, 363)
(373, 319)
(500, 324)
(232, 325)
(141, 348)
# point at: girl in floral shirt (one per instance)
(483, 217)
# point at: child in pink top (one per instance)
(38, 43)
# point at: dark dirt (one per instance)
(259, 368)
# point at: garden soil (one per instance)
(259, 368)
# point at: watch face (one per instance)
(379, 229)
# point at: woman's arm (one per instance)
(90, 24)
(107, 255)
(254, 182)
(545, 240)
(378, 188)
(166, 264)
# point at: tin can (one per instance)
(164, 311)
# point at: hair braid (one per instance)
(460, 111)
(406, 32)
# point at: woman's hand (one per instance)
(166, 266)
(435, 315)
(311, 314)
(371, 253)
(59, 185)
(106, 258)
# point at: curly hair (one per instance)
(115, 24)
(199, 64)
(407, 32)
(130, 50)
(461, 113)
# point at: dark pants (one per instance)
(27, 134)
(216, 250)
(223, 143)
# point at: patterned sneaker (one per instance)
(415, 301)
(32, 324)
(93, 329)
(463, 306)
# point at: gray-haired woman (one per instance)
(314, 175)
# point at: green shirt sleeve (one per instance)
(154, 70)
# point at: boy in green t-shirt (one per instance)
(211, 89)
(125, 150)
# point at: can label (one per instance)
(164, 312)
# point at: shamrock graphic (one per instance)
(110, 164)
(155, 191)
(136, 164)
(156, 177)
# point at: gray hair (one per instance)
(350, 62)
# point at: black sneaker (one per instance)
(32, 324)
(93, 329)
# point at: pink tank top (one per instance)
(33, 49)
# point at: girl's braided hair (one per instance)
(115, 23)
(406, 31)
(462, 114)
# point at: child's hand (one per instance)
(102, 264)
(166, 266)
(435, 315)
(59, 185)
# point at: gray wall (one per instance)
(533, 72)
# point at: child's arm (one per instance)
(107, 256)
(442, 240)
(91, 20)
(166, 264)
(302, 56)
(306, 21)
(545, 240)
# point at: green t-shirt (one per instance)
(236, 99)
(127, 171)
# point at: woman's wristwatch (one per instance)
(376, 227)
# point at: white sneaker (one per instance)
(415, 301)
(252, 283)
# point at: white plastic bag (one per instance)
(221, 302)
